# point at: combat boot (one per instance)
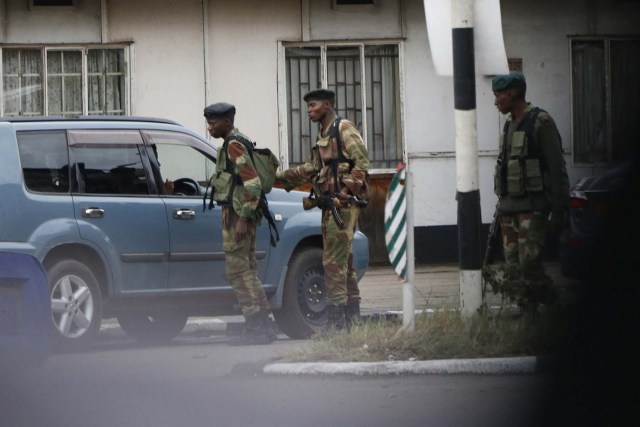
(336, 318)
(352, 314)
(269, 326)
(256, 331)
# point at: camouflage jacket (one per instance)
(247, 195)
(318, 170)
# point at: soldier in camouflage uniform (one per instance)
(349, 179)
(530, 181)
(237, 189)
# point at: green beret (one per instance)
(320, 95)
(221, 109)
(507, 81)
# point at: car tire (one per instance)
(304, 303)
(153, 328)
(76, 303)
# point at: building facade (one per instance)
(170, 58)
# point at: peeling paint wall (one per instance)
(80, 24)
(169, 41)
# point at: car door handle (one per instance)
(184, 214)
(92, 212)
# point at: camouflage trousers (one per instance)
(523, 279)
(241, 265)
(339, 274)
(523, 238)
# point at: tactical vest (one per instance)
(334, 163)
(519, 170)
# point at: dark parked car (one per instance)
(86, 198)
(591, 202)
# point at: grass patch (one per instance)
(442, 335)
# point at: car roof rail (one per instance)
(111, 118)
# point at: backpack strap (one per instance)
(334, 132)
(263, 203)
(248, 144)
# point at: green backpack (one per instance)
(266, 165)
(264, 161)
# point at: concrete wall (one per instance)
(243, 47)
(240, 41)
(80, 24)
(354, 22)
(538, 32)
(168, 61)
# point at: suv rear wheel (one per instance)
(304, 302)
(76, 302)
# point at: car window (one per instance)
(109, 162)
(181, 158)
(44, 160)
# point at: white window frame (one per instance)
(84, 49)
(323, 45)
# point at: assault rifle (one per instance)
(326, 202)
(493, 240)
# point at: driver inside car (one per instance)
(167, 186)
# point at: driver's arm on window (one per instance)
(168, 186)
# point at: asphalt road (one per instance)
(200, 381)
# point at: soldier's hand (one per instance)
(168, 187)
(340, 200)
(241, 229)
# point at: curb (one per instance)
(485, 366)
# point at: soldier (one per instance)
(338, 171)
(237, 189)
(531, 184)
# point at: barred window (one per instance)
(79, 81)
(367, 85)
(606, 98)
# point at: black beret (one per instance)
(221, 109)
(507, 81)
(320, 95)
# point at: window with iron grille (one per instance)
(366, 81)
(63, 81)
(605, 98)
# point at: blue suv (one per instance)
(86, 197)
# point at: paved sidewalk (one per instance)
(436, 286)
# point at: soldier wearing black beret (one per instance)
(338, 171)
(221, 109)
(320, 95)
(237, 188)
(532, 186)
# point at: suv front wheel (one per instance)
(304, 302)
(76, 302)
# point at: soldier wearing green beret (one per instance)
(531, 183)
(240, 218)
(337, 170)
